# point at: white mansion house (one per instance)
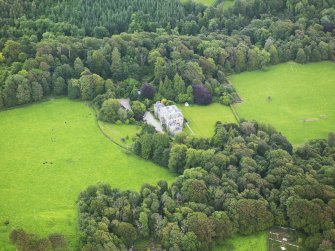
(170, 116)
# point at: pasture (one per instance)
(202, 119)
(51, 151)
(298, 100)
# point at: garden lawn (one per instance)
(202, 119)
(121, 134)
(245, 243)
(51, 151)
(298, 100)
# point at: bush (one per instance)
(138, 109)
(109, 110)
(182, 98)
(226, 99)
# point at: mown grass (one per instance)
(301, 103)
(245, 243)
(51, 151)
(121, 134)
(202, 119)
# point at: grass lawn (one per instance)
(202, 119)
(302, 104)
(245, 243)
(51, 151)
(121, 134)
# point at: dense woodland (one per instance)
(245, 179)
(42, 55)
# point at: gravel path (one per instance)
(151, 120)
(125, 102)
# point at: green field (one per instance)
(245, 243)
(302, 103)
(202, 119)
(121, 134)
(51, 151)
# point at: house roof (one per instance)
(125, 102)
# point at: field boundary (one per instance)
(237, 93)
(188, 126)
(43, 100)
(237, 117)
(105, 134)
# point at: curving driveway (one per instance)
(151, 120)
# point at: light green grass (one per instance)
(302, 102)
(245, 243)
(41, 198)
(121, 134)
(205, 2)
(227, 4)
(202, 119)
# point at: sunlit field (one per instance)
(49, 153)
(297, 100)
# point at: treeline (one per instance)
(178, 68)
(104, 18)
(117, 67)
(95, 18)
(41, 56)
(243, 180)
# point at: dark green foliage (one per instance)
(138, 109)
(253, 216)
(36, 91)
(59, 86)
(177, 159)
(246, 179)
(126, 232)
(301, 57)
(331, 139)
(24, 241)
(116, 66)
(195, 191)
(73, 89)
(109, 111)
(206, 232)
(155, 146)
(171, 63)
